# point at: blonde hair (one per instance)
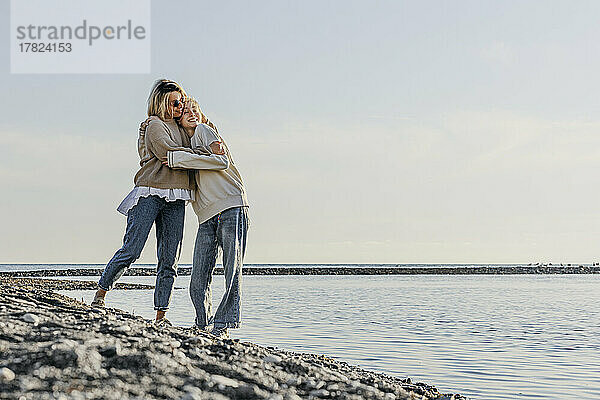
(158, 100)
(193, 103)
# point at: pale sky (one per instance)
(366, 132)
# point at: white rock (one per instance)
(31, 318)
(223, 380)
(123, 328)
(272, 359)
(77, 395)
(6, 375)
(65, 344)
(192, 393)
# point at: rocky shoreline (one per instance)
(55, 347)
(63, 284)
(482, 270)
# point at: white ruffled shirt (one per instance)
(143, 191)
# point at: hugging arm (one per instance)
(182, 159)
(217, 159)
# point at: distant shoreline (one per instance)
(482, 270)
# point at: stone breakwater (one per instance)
(483, 270)
(55, 347)
(63, 284)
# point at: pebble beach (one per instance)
(55, 347)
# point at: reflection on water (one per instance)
(488, 337)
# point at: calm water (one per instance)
(488, 337)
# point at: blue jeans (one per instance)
(227, 230)
(169, 217)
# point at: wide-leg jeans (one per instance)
(228, 231)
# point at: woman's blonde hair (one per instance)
(193, 103)
(158, 101)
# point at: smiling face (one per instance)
(189, 118)
(175, 107)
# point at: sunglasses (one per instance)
(177, 103)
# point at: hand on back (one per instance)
(145, 123)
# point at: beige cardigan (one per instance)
(159, 138)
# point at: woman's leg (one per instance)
(231, 234)
(139, 222)
(169, 234)
(205, 259)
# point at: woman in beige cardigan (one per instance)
(158, 197)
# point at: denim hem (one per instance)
(205, 328)
(103, 288)
(161, 308)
